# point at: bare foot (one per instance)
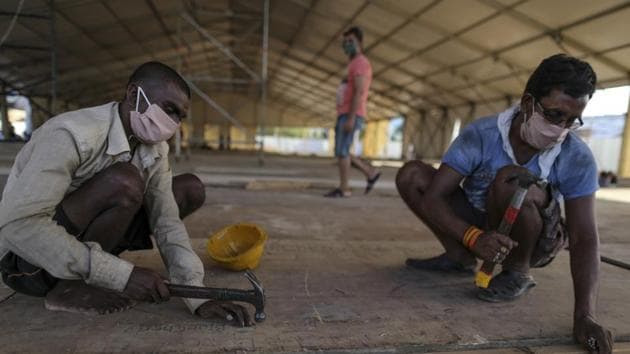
(78, 297)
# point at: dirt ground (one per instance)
(335, 278)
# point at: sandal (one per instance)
(371, 182)
(509, 285)
(440, 263)
(337, 193)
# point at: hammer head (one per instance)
(526, 179)
(259, 296)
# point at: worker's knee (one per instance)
(501, 190)
(124, 185)
(189, 192)
(500, 187)
(414, 176)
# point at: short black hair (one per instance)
(154, 72)
(573, 76)
(356, 31)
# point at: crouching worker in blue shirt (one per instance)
(535, 136)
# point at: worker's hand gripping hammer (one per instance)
(256, 296)
(524, 181)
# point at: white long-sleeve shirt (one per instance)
(63, 154)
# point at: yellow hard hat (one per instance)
(238, 247)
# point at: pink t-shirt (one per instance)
(341, 91)
(359, 66)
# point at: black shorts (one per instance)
(552, 239)
(29, 279)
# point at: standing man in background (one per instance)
(352, 113)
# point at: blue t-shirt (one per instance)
(478, 154)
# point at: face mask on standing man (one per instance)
(349, 47)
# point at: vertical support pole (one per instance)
(624, 159)
(263, 82)
(4, 112)
(472, 108)
(405, 140)
(412, 123)
(420, 148)
(178, 133)
(53, 60)
(178, 141)
(444, 133)
(191, 116)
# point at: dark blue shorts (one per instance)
(343, 139)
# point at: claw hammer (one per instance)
(256, 296)
(524, 181)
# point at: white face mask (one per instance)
(152, 126)
(540, 133)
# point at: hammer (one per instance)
(525, 180)
(256, 296)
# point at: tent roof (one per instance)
(425, 53)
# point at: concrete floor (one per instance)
(335, 278)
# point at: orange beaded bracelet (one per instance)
(471, 235)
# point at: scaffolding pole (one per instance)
(224, 49)
(217, 107)
(178, 133)
(263, 83)
(4, 111)
(53, 60)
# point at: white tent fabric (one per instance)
(426, 54)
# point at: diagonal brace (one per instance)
(225, 50)
(215, 105)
